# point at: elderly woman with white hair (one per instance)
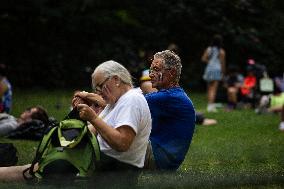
(122, 127)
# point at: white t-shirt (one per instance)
(132, 110)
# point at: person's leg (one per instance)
(281, 125)
(210, 90)
(111, 172)
(276, 109)
(263, 105)
(208, 121)
(232, 93)
(282, 114)
(234, 96)
(13, 173)
(214, 88)
(211, 95)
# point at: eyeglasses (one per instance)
(99, 87)
(156, 70)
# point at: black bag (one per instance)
(8, 155)
(32, 130)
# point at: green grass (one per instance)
(244, 150)
(57, 103)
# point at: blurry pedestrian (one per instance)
(233, 82)
(5, 91)
(214, 57)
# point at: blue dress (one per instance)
(213, 69)
(173, 123)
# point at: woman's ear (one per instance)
(117, 80)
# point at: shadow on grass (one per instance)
(179, 180)
(211, 180)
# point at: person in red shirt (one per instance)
(248, 88)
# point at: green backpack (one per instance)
(68, 151)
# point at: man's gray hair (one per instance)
(170, 60)
(112, 68)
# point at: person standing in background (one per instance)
(214, 57)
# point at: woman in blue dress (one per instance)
(214, 57)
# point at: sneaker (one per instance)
(211, 108)
(281, 126)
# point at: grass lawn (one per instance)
(244, 150)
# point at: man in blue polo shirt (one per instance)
(173, 114)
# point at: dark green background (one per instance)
(57, 43)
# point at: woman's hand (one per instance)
(77, 100)
(86, 112)
(91, 98)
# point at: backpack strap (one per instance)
(95, 144)
(45, 141)
(40, 150)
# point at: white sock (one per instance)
(211, 107)
(281, 126)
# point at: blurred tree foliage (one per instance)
(57, 43)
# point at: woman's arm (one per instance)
(205, 56)
(119, 139)
(222, 57)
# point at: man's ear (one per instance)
(172, 73)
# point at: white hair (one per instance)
(170, 60)
(112, 68)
